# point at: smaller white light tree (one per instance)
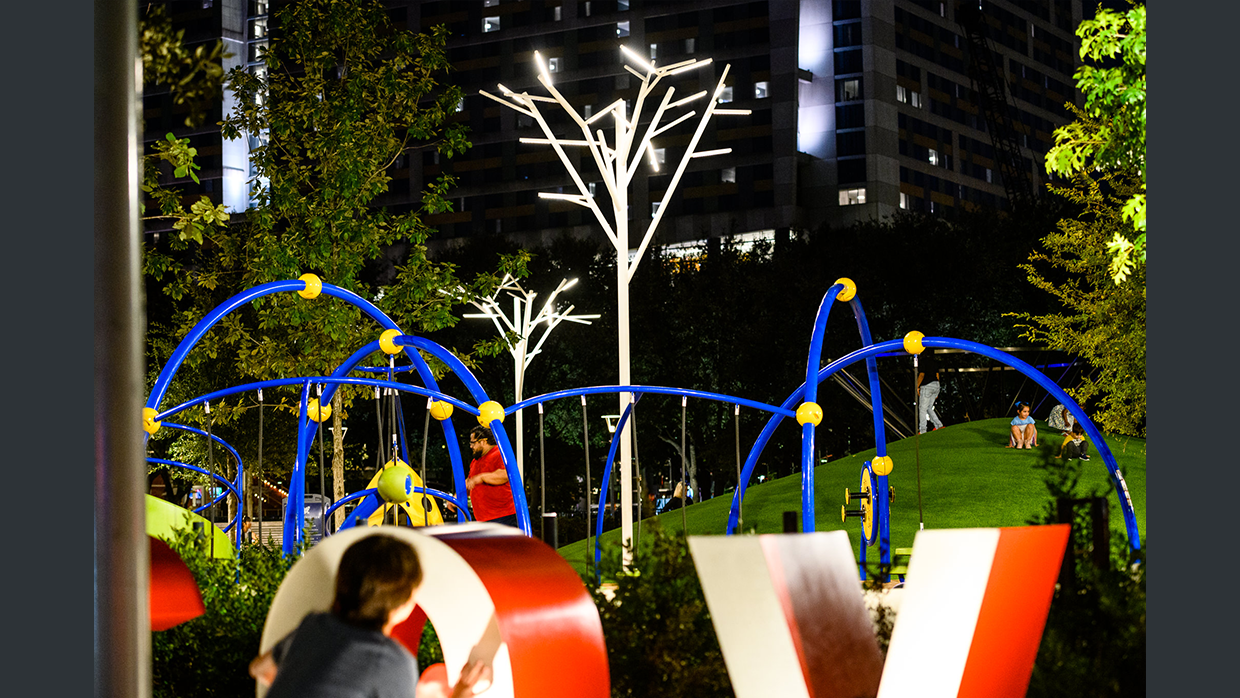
(523, 323)
(617, 164)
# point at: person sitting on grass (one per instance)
(1024, 431)
(350, 652)
(1074, 444)
(1060, 418)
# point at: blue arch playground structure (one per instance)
(800, 405)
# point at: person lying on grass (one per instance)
(350, 652)
(1074, 444)
(1024, 431)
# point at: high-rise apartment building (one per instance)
(858, 109)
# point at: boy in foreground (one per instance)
(349, 651)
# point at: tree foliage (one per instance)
(209, 655)
(1101, 322)
(660, 639)
(1109, 133)
(345, 96)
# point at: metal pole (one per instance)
(122, 640)
(921, 519)
(736, 418)
(684, 493)
(262, 486)
(542, 475)
(585, 433)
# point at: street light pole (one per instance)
(616, 164)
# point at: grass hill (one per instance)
(968, 479)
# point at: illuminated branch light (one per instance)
(571, 198)
(674, 66)
(691, 66)
(506, 103)
(708, 153)
(542, 67)
(686, 100)
(661, 129)
(604, 112)
(734, 112)
(483, 316)
(639, 75)
(548, 141)
(641, 62)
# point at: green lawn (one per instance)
(968, 479)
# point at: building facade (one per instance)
(858, 109)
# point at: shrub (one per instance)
(210, 655)
(660, 639)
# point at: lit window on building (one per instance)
(490, 24)
(901, 94)
(904, 201)
(934, 157)
(654, 208)
(260, 7)
(460, 106)
(559, 13)
(654, 51)
(587, 9)
(660, 155)
(728, 174)
(258, 28)
(850, 90)
(587, 111)
(622, 28)
(553, 65)
(726, 95)
(760, 89)
(593, 188)
(989, 176)
(690, 45)
(490, 3)
(914, 98)
(622, 4)
(851, 197)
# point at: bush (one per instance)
(210, 655)
(1094, 642)
(660, 639)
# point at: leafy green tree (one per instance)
(1109, 133)
(1101, 322)
(345, 95)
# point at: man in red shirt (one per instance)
(489, 492)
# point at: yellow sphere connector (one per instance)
(387, 342)
(312, 408)
(882, 465)
(441, 410)
(912, 342)
(149, 425)
(314, 286)
(490, 411)
(809, 413)
(849, 290)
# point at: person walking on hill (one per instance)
(927, 390)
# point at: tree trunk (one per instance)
(338, 455)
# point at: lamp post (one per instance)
(616, 165)
(523, 324)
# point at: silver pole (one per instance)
(122, 614)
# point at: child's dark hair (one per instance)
(377, 574)
(1077, 427)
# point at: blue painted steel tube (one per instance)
(239, 488)
(1130, 521)
(514, 477)
(295, 508)
(880, 433)
(654, 389)
(228, 486)
(811, 395)
(281, 382)
(606, 489)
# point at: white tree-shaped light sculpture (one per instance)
(617, 164)
(523, 323)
